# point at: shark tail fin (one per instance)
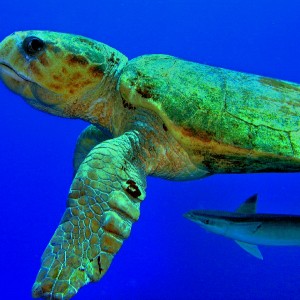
(250, 248)
(249, 206)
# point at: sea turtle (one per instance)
(154, 115)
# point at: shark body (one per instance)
(250, 229)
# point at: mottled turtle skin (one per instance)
(154, 115)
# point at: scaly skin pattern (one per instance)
(156, 115)
(104, 201)
(87, 140)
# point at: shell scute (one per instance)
(212, 108)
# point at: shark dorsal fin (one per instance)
(249, 206)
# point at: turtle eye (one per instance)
(206, 221)
(32, 45)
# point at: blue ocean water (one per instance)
(166, 256)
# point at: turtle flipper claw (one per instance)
(103, 203)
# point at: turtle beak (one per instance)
(11, 56)
(8, 52)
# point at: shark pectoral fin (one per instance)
(250, 248)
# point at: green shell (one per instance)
(204, 104)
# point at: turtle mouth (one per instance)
(16, 82)
(6, 71)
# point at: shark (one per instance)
(248, 228)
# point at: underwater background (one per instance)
(166, 256)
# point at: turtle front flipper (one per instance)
(104, 201)
(90, 137)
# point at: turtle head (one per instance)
(59, 73)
